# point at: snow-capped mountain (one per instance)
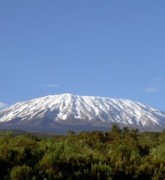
(67, 111)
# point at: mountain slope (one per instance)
(66, 110)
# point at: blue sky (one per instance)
(90, 47)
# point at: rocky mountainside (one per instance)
(64, 112)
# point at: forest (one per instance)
(115, 154)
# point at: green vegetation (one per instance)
(117, 154)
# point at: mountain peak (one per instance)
(67, 94)
(75, 109)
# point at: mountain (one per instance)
(60, 113)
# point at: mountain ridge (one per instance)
(73, 110)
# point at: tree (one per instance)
(21, 173)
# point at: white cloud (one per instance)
(52, 85)
(155, 85)
(2, 105)
(157, 80)
(150, 90)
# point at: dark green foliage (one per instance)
(21, 173)
(117, 154)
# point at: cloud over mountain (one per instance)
(2, 105)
